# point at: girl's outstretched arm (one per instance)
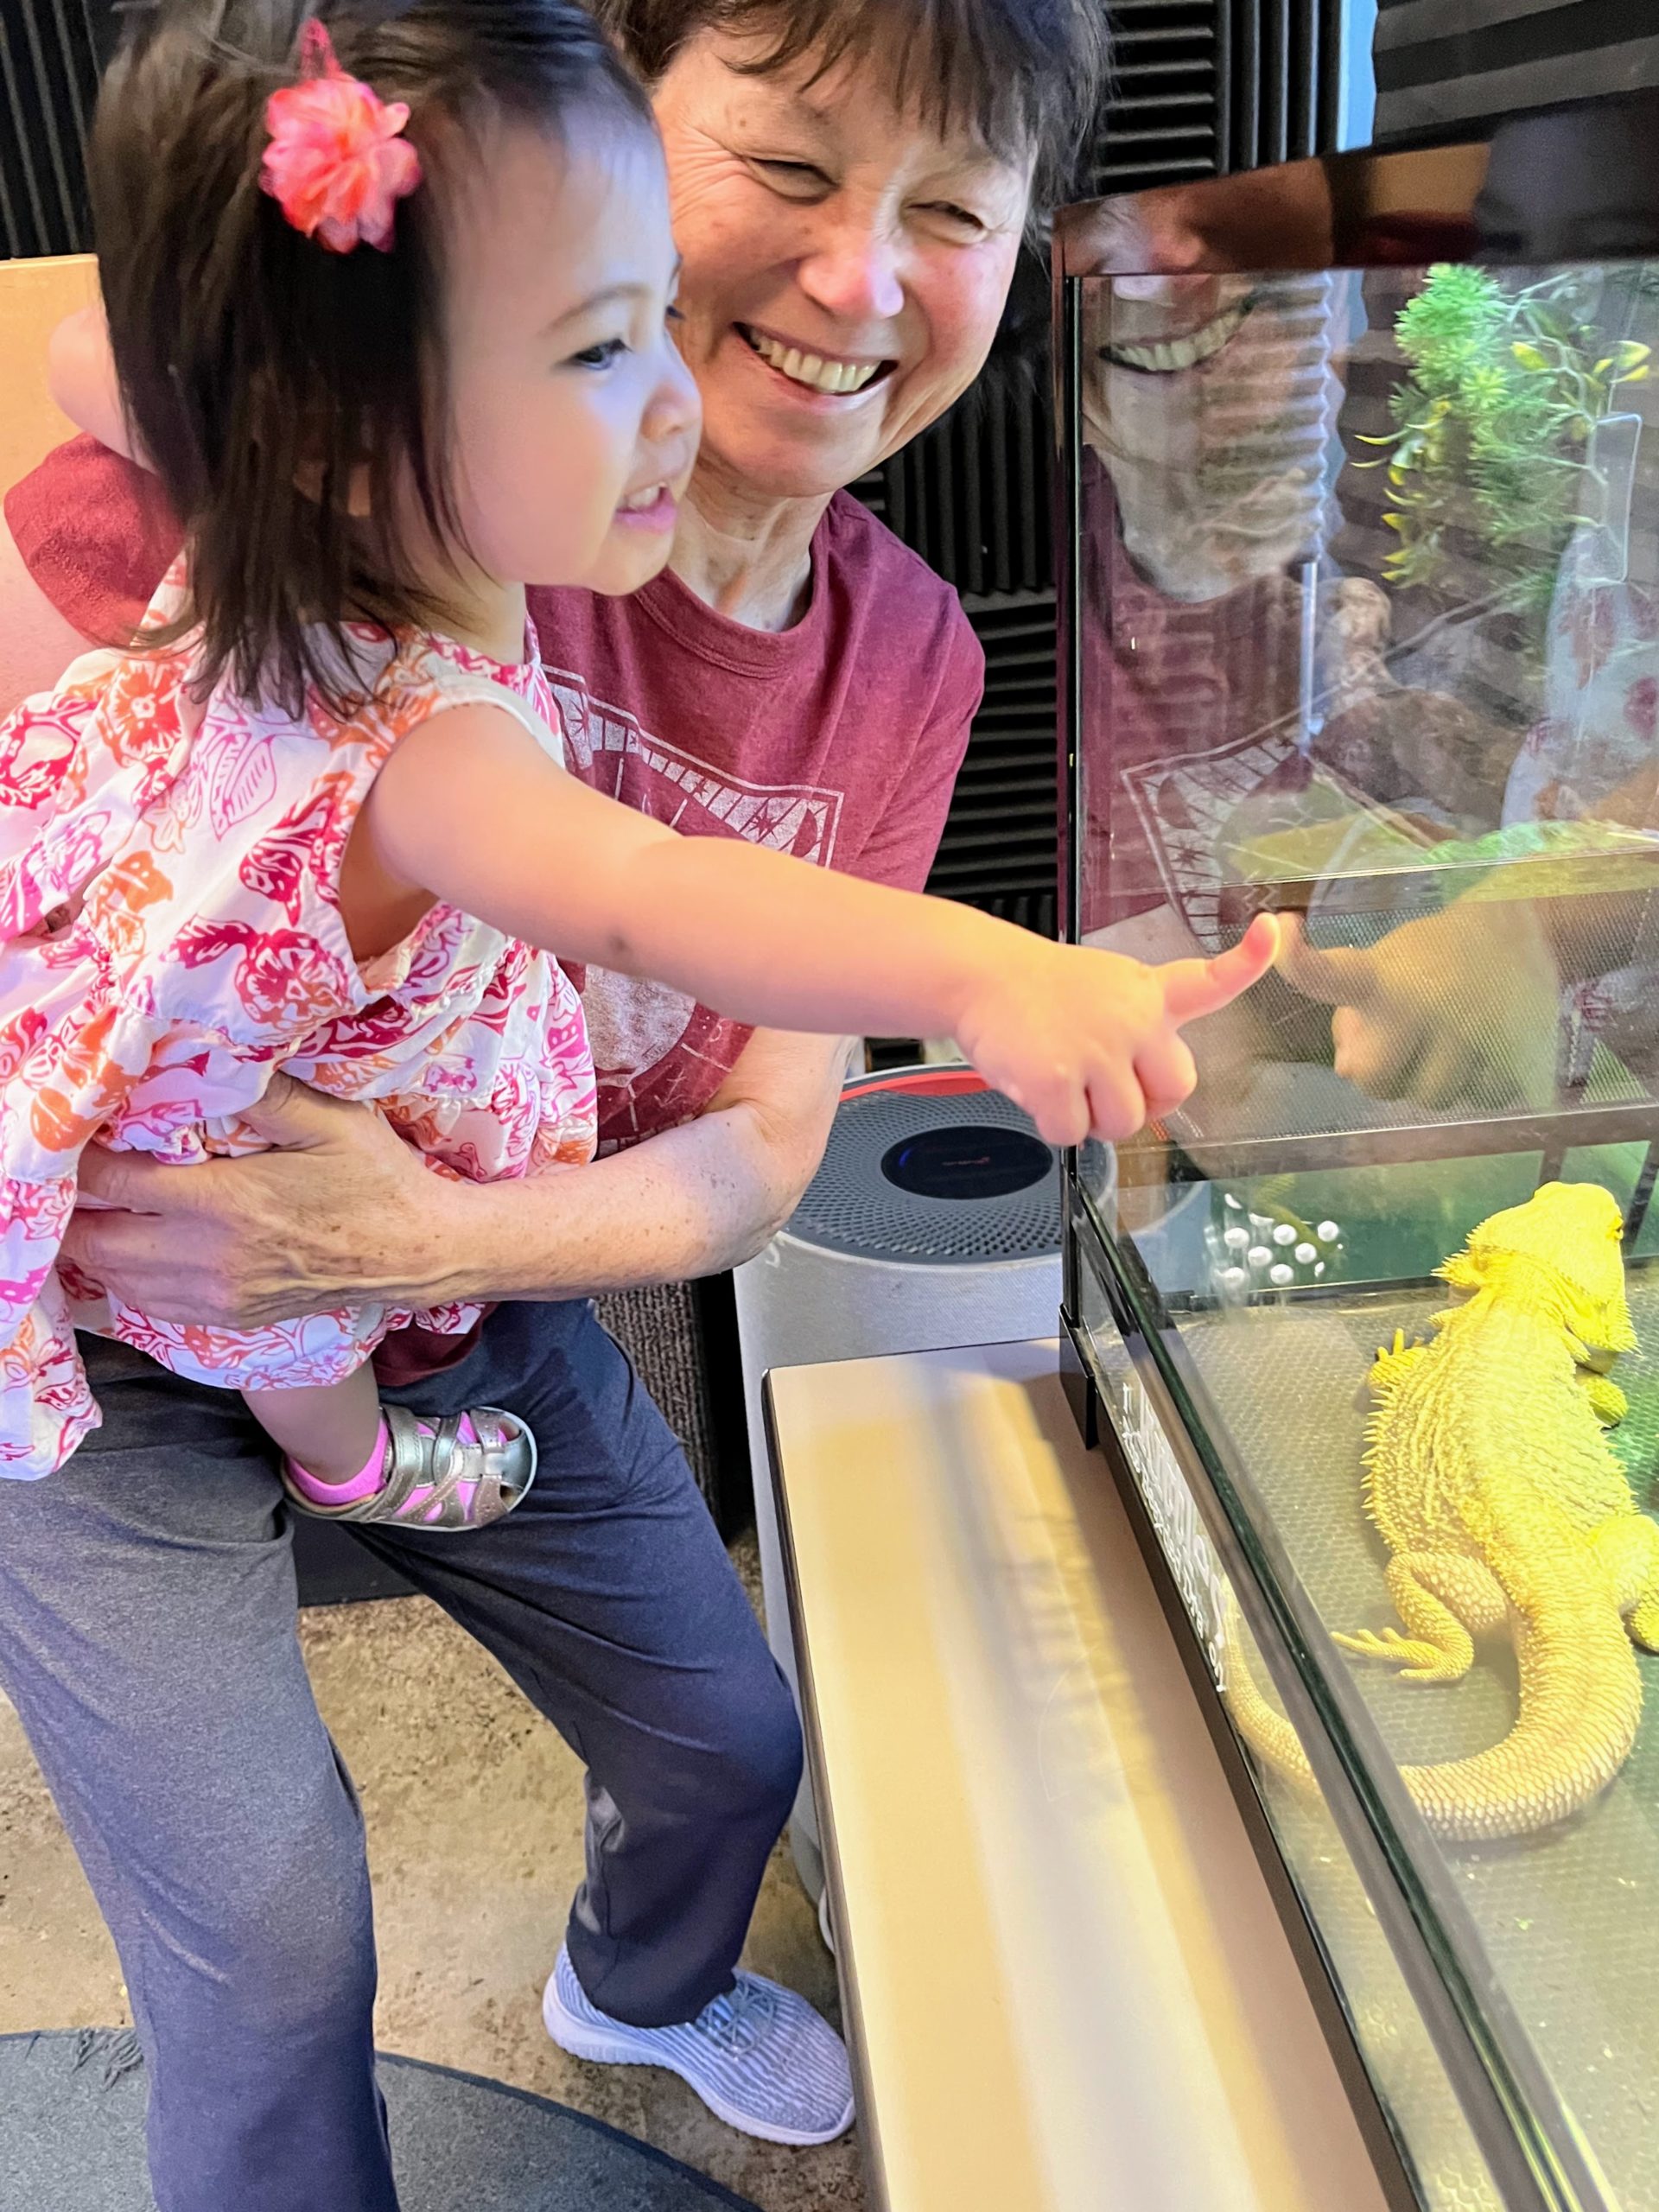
(469, 810)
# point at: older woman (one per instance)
(851, 180)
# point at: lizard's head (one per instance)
(1573, 1234)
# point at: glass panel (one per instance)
(1436, 2144)
(1368, 602)
(1369, 634)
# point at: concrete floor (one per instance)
(451, 1762)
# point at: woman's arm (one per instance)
(80, 372)
(343, 1213)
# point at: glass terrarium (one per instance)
(1360, 594)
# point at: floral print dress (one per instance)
(170, 936)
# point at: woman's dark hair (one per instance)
(1024, 77)
(261, 372)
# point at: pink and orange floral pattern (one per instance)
(170, 936)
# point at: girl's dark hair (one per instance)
(1024, 77)
(260, 371)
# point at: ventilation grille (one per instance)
(1000, 843)
(48, 82)
(851, 1205)
(1165, 122)
(1279, 80)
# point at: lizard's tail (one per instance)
(1580, 1705)
(1265, 1729)
(1576, 1727)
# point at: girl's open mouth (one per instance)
(653, 507)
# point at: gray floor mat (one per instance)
(72, 2115)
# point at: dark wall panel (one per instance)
(48, 79)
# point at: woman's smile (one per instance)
(814, 371)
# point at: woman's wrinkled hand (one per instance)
(338, 1212)
(1460, 1008)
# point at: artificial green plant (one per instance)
(1492, 423)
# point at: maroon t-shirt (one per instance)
(837, 740)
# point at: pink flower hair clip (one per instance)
(336, 164)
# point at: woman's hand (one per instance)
(1461, 1009)
(1088, 1042)
(340, 1212)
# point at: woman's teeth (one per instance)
(810, 369)
(1172, 353)
(637, 502)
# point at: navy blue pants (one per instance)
(147, 1637)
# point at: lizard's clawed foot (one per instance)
(1607, 1401)
(1417, 1661)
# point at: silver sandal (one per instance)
(435, 1460)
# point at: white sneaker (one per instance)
(761, 2058)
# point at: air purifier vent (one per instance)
(933, 1182)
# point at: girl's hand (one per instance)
(1089, 1043)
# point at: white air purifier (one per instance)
(933, 1222)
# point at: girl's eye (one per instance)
(599, 356)
(677, 314)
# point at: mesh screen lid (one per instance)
(933, 1181)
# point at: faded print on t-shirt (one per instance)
(652, 1043)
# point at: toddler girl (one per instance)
(388, 293)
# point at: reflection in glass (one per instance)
(1367, 613)
(1370, 636)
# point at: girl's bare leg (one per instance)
(330, 1432)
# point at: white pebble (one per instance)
(1328, 1232)
(1281, 1273)
(1284, 1234)
(1307, 1254)
(1230, 1200)
(1259, 1256)
(1319, 1270)
(1235, 1237)
(1235, 1278)
(1260, 1221)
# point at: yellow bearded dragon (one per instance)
(1504, 1509)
